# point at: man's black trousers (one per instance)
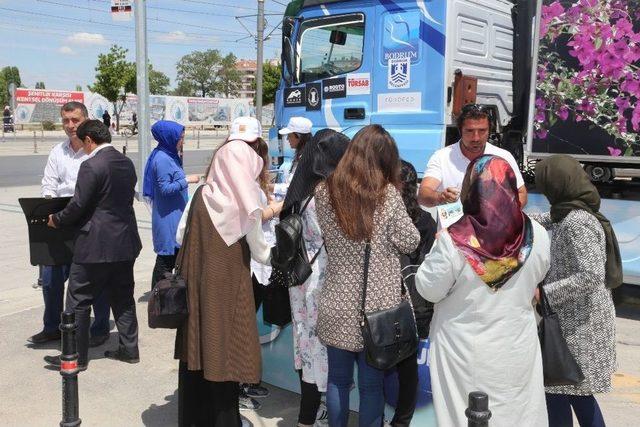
(86, 281)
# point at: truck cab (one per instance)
(406, 65)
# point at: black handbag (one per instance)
(276, 307)
(168, 305)
(389, 335)
(558, 364)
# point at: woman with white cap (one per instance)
(218, 345)
(298, 133)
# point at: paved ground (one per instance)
(117, 394)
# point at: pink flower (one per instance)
(621, 124)
(635, 118)
(615, 152)
(542, 134)
(623, 26)
(563, 112)
(622, 103)
(540, 116)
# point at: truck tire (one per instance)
(599, 173)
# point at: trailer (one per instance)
(586, 98)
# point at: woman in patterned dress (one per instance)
(585, 267)
(359, 203)
(318, 159)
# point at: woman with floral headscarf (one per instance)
(482, 275)
(165, 187)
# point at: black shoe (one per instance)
(121, 355)
(98, 340)
(255, 390)
(55, 361)
(43, 337)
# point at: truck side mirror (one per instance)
(287, 26)
(287, 58)
(338, 37)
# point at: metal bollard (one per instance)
(478, 412)
(124, 149)
(198, 138)
(69, 371)
(35, 142)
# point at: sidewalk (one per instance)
(114, 394)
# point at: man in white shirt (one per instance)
(59, 180)
(447, 167)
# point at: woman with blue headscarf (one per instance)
(165, 187)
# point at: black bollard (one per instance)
(478, 411)
(69, 371)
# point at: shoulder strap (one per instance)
(544, 302)
(367, 254)
(316, 254)
(304, 207)
(185, 239)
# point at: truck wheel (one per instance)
(598, 173)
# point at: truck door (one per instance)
(333, 46)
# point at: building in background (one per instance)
(248, 69)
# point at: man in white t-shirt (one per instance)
(447, 167)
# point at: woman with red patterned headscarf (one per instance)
(482, 274)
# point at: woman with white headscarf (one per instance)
(218, 345)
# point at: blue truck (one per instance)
(410, 65)
(406, 65)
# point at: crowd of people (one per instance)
(474, 284)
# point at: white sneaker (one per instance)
(322, 418)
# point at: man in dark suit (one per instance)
(107, 243)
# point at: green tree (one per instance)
(184, 88)
(200, 70)
(270, 80)
(158, 82)
(78, 88)
(8, 75)
(113, 73)
(40, 85)
(230, 78)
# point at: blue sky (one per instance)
(58, 41)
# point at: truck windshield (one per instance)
(330, 46)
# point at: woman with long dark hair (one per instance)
(360, 203)
(318, 160)
(423, 310)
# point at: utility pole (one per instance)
(142, 70)
(259, 60)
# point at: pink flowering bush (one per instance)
(604, 89)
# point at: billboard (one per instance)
(38, 105)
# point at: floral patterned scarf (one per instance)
(494, 235)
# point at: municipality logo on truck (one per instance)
(398, 76)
